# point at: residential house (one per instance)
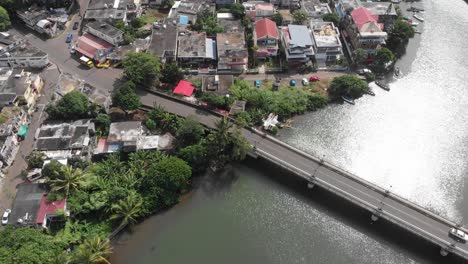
(256, 10)
(73, 139)
(266, 37)
(17, 52)
(93, 47)
(26, 204)
(327, 44)
(49, 212)
(102, 10)
(232, 51)
(364, 30)
(18, 87)
(385, 12)
(106, 32)
(225, 3)
(164, 41)
(37, 19)
(12, 118)
(219, 84)
(229, 23)
(315, 9)
(196, 49)
(297, 43)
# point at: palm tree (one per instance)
(127, 211)
(93, 251)
(222, 134)
(69, 180)
(62, 258)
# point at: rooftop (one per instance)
(380, 8)
(265, 27)
(325, 34)
(219, 84)
(299, 36)
(164, 40)
(89, 44)
(107, 4)
(26, 204)
(64, 136)
(362, 16)
(315, 8)
(229, 23)
(105, 29)
(192, 45)
(18, 48)
(231, 45)
(48, 208)
(11, 86)
(105, 14)
(8, 117)
(128, 131)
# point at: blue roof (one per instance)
(183, 20)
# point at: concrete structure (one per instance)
(196, 49)
(101, 10)
(11, 119)
(225, 3)
(287, 16)
(297, 43)
(315, 9)
(106, 32)
(385, 11)
(164, 41)
(364, 30)
(38, 19)
(48, 212)
(26, 204)
(266, 37)
(232, 52)
(18, 87)
(66, 140)
(219, 84)
(256, 10)
(229, 23)
(327, 44)
(17, 52)
(126, 134)
(93, 47)
(314, 171)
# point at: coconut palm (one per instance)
(69, 180)
(62, 258)
(128, 210)
(223, 127)
(93, 251)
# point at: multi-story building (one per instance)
(297, 43)
(16, 52)
(266, 37)
(364, 30)
(19, 88)
(101, 10)
(385, 12)
(196, 49)
(232, 51)
(164, 41)
(327, 44)
(106, 32)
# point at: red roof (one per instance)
(89, 44)
(265, 27)
(362, 16)
(47, 208)
(184, 88)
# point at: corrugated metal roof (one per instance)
(300, 36)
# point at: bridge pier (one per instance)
(374, 217)
(443, 252)
(310, 185)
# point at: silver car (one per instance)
(458, 234)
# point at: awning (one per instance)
(184, 88)
(23, 130)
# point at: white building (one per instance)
(327, 44)
(16, 52)
(106, 32)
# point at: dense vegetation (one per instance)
(74, 105)
(349, 85)
(207, 22)
(4, 19)
(398, 37)
(141, 68)
(126, 98)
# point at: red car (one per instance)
(314, 78)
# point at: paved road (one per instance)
(402, 213)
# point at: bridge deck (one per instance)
(393, 208)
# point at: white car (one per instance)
(363, 71)
(5, 216)
(458, 234)
(305, 82)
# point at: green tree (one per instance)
(35, 159)
(138, 22)
(360, 56)
(62, 258)
(4, 19)
(190, 132)
(398, 37)
(383, 58)
(237, 10)
(127, 211)
(74, 105)
(102, 123)
(150, 124)
(93, 251)
(68, 180)
(167, 3)
(332, 17)
(141, 68)
(126, 98)
(171, 74)
(349, 85)
(300, 17)
(52, 170)
(207, 22)
(278, 19)
(195, 156)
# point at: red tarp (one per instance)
(184, 88)
(47, 208)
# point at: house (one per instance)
(18, 87)
(39, 20)
(256, 10)
(106, 32)
(225, 3)
(164, 41)
(12, 118)
(17, 52)
(297, 43)
(385, 11)
(327, 44)
(185, 12)
(66, 140)
(196, 49)
(101, 10)
(364, 30)
(266, 37)
(229, 23)
(26, 204)
(49, 212)
(315, 9)
(232, 52)
(93, 47)
(219, 84)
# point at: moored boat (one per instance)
(418, 17)
(383, 85)
(369, 92)
(397, 71)
(347, 99)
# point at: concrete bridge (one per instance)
(316, 172)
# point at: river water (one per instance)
(412, 140)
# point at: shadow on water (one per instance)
(218, 182)
(353, 216)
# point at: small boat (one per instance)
(347, 99)
(406, 18)
(414, 24)
(417, 32)
(383, 85)
(418, 18)
(397, 72)
(369, 92)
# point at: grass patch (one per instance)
(153, 15)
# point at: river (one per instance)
(412, 140)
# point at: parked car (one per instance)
(292, 82)
(314, 78)
(257, 83)
(69, 38)
(363, 71)
(75, 25)
(104, 65)
(305, 82)
(458, 234)
(5, 216)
